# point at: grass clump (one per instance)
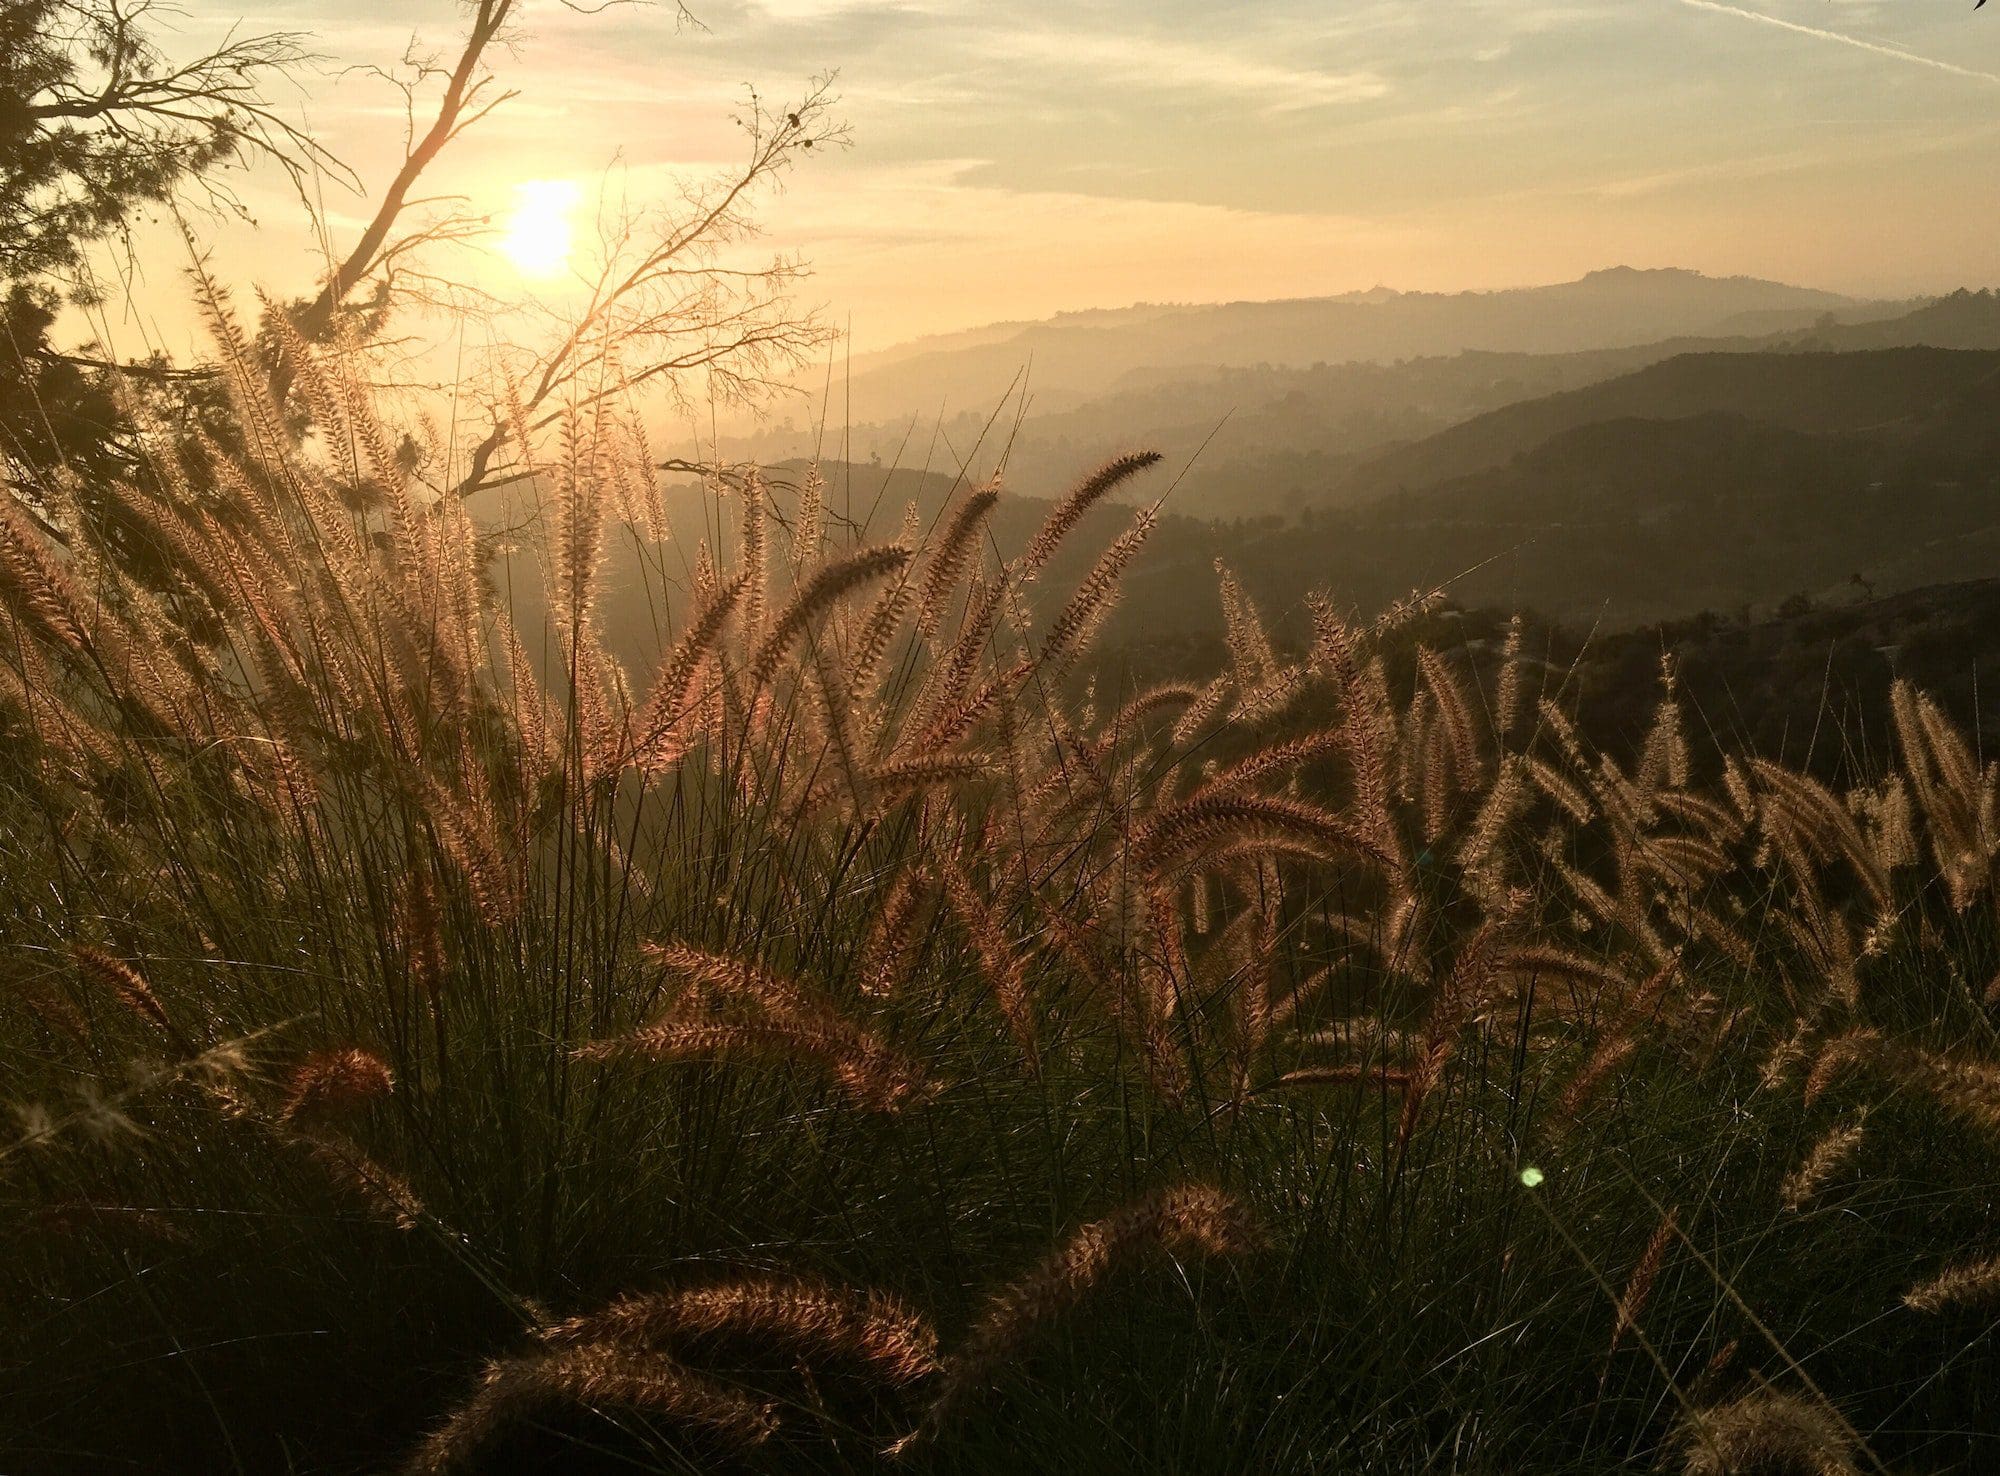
(437, 1044)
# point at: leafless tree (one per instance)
(673, 295)
(666, 301)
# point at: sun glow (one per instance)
(540, 233)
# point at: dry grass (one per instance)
(867, 827)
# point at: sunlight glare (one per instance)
(540, 234)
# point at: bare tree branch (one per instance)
(663, 300)
(464, 87)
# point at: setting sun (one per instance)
(540, 234)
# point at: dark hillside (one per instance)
(1809, 687)
(1651, 517)
(1816, 392)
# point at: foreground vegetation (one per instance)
(864, 1042)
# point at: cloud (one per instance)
(1187, 67)
(1765, 166)
(813, 10)
(1857, 42)
(919, 247)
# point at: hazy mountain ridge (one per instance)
(1074, 357)
(1275, 437)
(1616, 484)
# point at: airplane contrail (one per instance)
(1845, 40)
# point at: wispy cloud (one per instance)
(1857, 42)
(904, 244)
(1770, 165)
(1184, 66)
(1012, 159)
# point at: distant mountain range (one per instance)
(1078, 356)
(1634, 446)
(1275, 436)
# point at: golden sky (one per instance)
(1014, 160)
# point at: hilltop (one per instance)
(1276, 435)
(1709, 482)
(1074, 356)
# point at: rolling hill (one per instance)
(1841, 456)
(1830, 476)
(1274, 437)
(1803, 391)
(1076, 356)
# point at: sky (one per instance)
(1013, 160)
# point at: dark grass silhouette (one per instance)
(870, 1037)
